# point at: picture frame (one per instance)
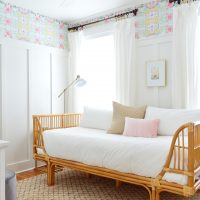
(156, 73)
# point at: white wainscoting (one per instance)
(59, 73)
(155, 48)
(3, 145)
(31, 78)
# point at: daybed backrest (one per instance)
(171, 119)
(96, 118)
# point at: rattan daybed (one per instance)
(185, 147)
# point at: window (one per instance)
(97, 67)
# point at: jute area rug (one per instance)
(74, 185)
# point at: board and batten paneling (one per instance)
(156, 48)
(40, 81)
(27, 85)
(15, 103)
(59, 81)
(32, 76)
(1, 134)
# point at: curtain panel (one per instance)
(75, 40)
(125, 50)
(186, 62)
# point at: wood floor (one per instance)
(35, 172)
(30, 173)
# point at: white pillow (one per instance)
(171, 119)
(96, 118)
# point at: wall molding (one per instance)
(154, 40)
(1, 130)
(154, 48)
(24, 161)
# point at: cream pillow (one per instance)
(120, 112)
(171, 119)
(96, 118)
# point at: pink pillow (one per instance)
(141, 127)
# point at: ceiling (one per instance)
(73, 10)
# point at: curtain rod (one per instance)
(76, 28)
(181, 1)
(134, 12)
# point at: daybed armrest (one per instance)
(47, 122)
(184, 155)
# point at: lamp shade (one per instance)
(80, 82)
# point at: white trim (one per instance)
(154, 40)
(28, 103)
(29, 45)
(51, 92)
(26, 161)
(3, 145)
(1, 130)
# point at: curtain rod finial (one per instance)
(135, 11)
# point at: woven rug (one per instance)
(74, 185)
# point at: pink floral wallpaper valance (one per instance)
(21, 24)
(154, 18)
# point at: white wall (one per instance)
(31, 78)
(156, 48)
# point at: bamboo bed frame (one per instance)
(177, 155)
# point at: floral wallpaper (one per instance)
(154, 18)
(21, 24)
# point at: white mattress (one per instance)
(141, 156)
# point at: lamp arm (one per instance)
(74, 81)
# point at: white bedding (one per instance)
(141, 156)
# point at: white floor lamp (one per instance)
(78, 82)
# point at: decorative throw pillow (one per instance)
(171, 119)
(141, 127)
(120, 112)
(96, 118)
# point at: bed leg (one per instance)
(50, 174)
(157, 194)
(153, 194)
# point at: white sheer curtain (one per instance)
(125, 47)
(186, 65)
(75, 40)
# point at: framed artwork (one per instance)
(156, 73)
